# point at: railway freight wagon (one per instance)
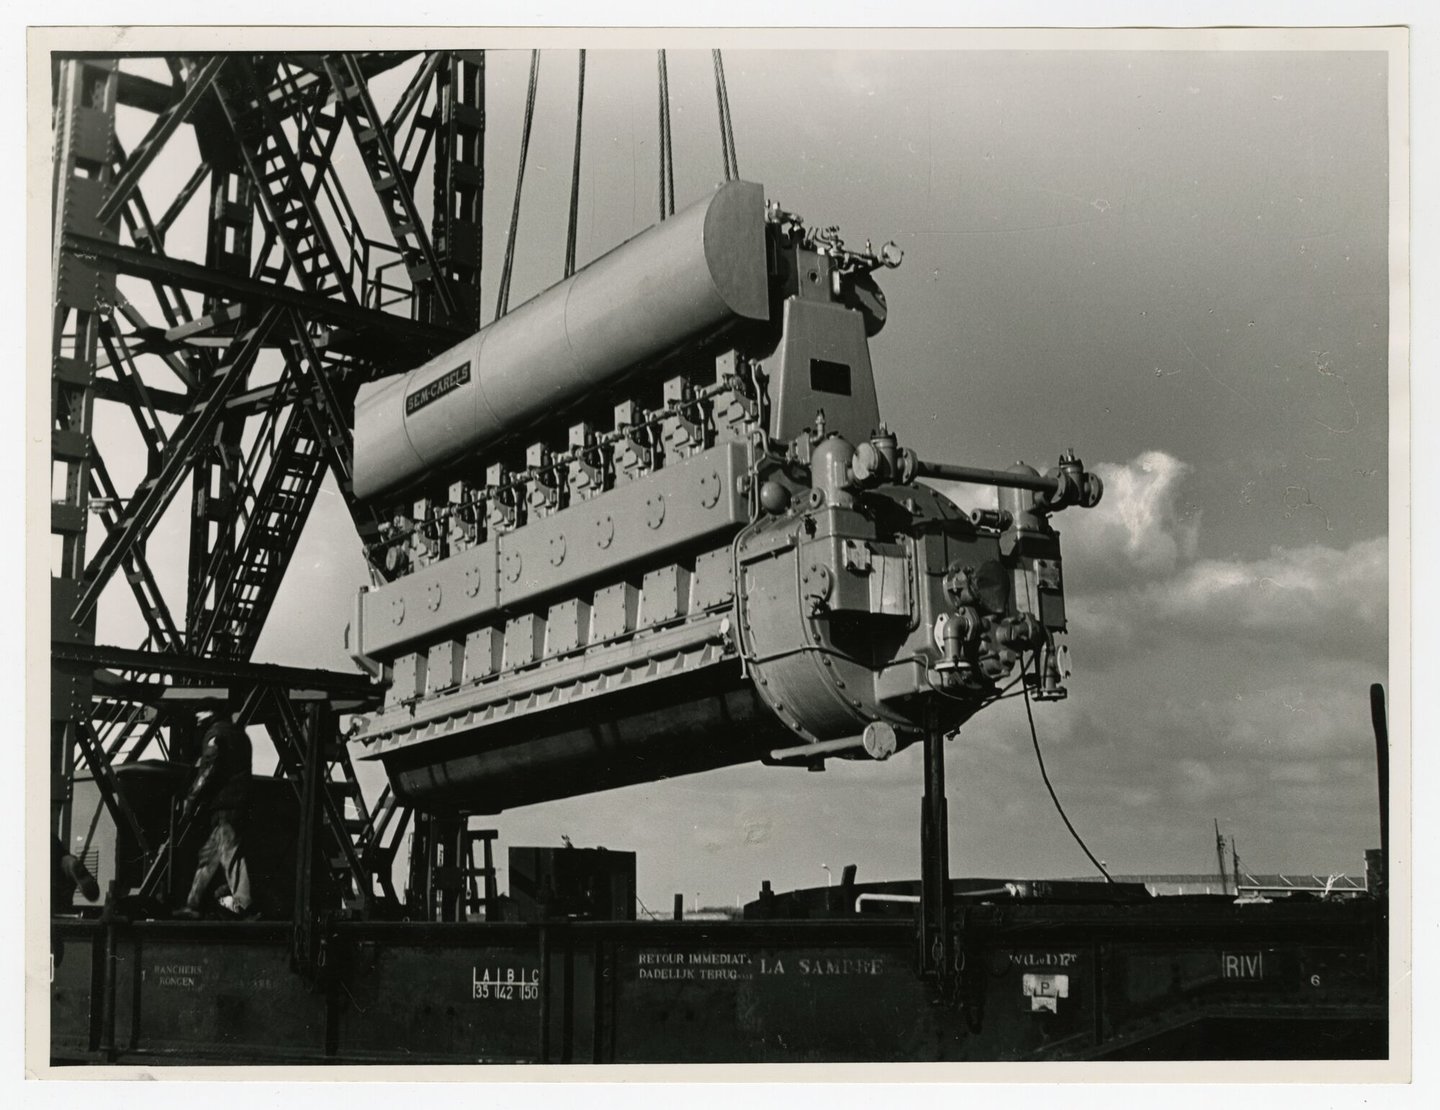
(651, 522)
(1159, 979)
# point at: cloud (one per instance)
(1134, 580)
(1135, 583)
(1141, 528)
(1294, 719)
(1304, 591)
(1330, 603)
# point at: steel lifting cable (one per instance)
(720, 108)
(575, 173)
(667, 154)
(502, 303)
(660, 125)
(669, 139)
(727, 129)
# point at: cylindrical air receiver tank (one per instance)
(684, 278)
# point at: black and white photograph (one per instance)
(724, 548)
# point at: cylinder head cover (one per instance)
(693, 274)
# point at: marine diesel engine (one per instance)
(650, 523)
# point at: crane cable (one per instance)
(570, 235)
(667, 158)
(502, 303)
(727, 128)
(667, 152)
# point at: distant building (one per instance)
(1267, 885)
(715, 913)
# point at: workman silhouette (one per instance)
(220, 795)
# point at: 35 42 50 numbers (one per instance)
(505, 984)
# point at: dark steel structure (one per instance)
(177, 344)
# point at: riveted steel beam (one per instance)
(161, 483)
(154, 141)
(330, 405)
(246, 577)
(148, 597)
(394, 341)
(130, 660)
(84, 120)
(391, 185)
(414, 93)
(277, 170)
(459, 178)
(136, 394)
(146, 333)
(135, 91)
(292, 743)
(181, 199)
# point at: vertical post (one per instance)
(458, 207)
(567, 1000)
(184, 743)
(170, 858)
(544, 962)
(1381, 726)
(935, 944)
(215, 493)
(432, 837)
(492, 890)
(417, 888)
(843, 900)
(1382, 776)
(599, 958)
(107, 1011)
(1097, 994)
(449, 869)
(304, 925)
(81, 296)
(1220, 857)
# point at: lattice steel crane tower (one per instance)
(176, 335)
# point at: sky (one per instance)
(1172, 262)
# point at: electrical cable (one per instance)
(502, 302)
(1004, 690)
(1035, 740)
(570, 235)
